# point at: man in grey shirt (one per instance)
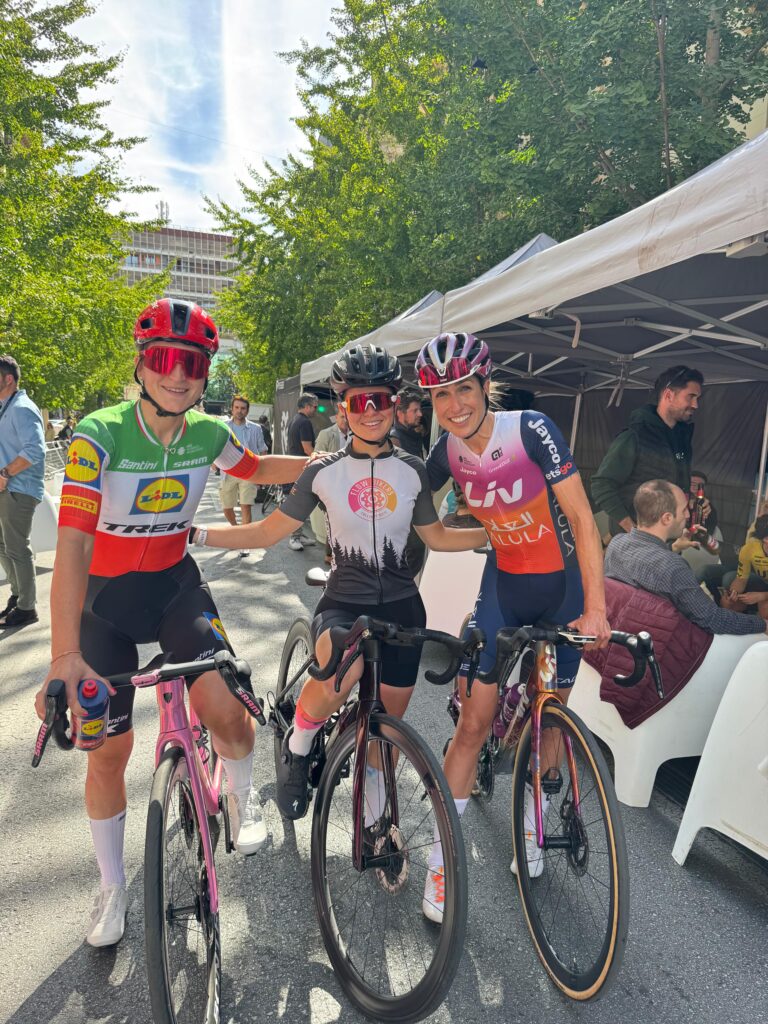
(22, 468)
(643, 559)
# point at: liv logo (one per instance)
(487, 499)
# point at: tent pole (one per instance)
(761, 467)
(575, 424)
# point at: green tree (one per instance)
(65, 310)
(442, 134)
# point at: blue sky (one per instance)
(201, 80)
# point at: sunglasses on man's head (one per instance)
(378, 400)
(678, 379)
(162, 360)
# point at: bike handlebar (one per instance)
(347, 647)
(235, 672)
(510, 643)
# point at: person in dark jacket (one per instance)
(408, 416)
(655, 445)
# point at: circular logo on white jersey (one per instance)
(372, 498)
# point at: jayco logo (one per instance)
(546, 437)
(490, 495)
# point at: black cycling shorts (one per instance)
(172, 608)
(399, 665)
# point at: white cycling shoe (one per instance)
(434, 895)
(533, 852)
(249, 833)
(108, 917)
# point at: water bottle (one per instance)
(90, 730)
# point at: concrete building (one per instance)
(202, 265)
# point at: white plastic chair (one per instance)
(678, 729)
(449, 585)
(730, 791)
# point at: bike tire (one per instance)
(417, 772)
(296, 649)
(269, 499)
(582, 958)
(192, 994)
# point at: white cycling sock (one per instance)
(238, 773)
(108, 836)
(436, 856)
(375, 794)
(304, 730)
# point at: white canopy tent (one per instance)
(683, 278)
(717, 216)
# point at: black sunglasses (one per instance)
(681, 377)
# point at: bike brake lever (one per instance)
(656, 673)
(55, 719)
(474, 663)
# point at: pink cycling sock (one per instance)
(304, 729)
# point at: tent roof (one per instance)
(668, 282)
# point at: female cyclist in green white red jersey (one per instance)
(134, 476)
(520, 481)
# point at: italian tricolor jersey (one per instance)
(137, 496)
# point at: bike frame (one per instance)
(546, 692)
(358, 713)
(177, 729)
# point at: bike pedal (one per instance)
(552, 786)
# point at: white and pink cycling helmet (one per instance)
(449, 358)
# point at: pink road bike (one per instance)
(181, 898)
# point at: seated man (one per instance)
(750, 587)
(643, 559)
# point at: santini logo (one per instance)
(490, 495)
(546, 437)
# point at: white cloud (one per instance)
(200, 79)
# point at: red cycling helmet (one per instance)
(176, 320)
(449, 358)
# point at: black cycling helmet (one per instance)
(362, 366)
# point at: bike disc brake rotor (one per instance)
(392, 862)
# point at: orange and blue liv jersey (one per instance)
(137, 496)
(509, 488)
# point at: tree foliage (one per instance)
(65, 311)
(442, 134)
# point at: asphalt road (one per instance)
(696, 951)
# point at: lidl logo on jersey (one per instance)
(84, 462)
(160, 494)
(216, 626)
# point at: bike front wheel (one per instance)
(182, 938)
(392, 962)
(575, 892)
(296, 650)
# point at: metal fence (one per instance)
(55, 458)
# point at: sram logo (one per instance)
(544, 434)
(492, 490)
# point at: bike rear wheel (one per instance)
(392, 962)
(296, 650)
(182, 938)
(576, 902)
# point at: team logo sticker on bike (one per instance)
(161, 494)
(369, 498)
(217, 627)
(84, 461)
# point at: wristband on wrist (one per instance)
(63, 655)
(199, 537)
(4, 473)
